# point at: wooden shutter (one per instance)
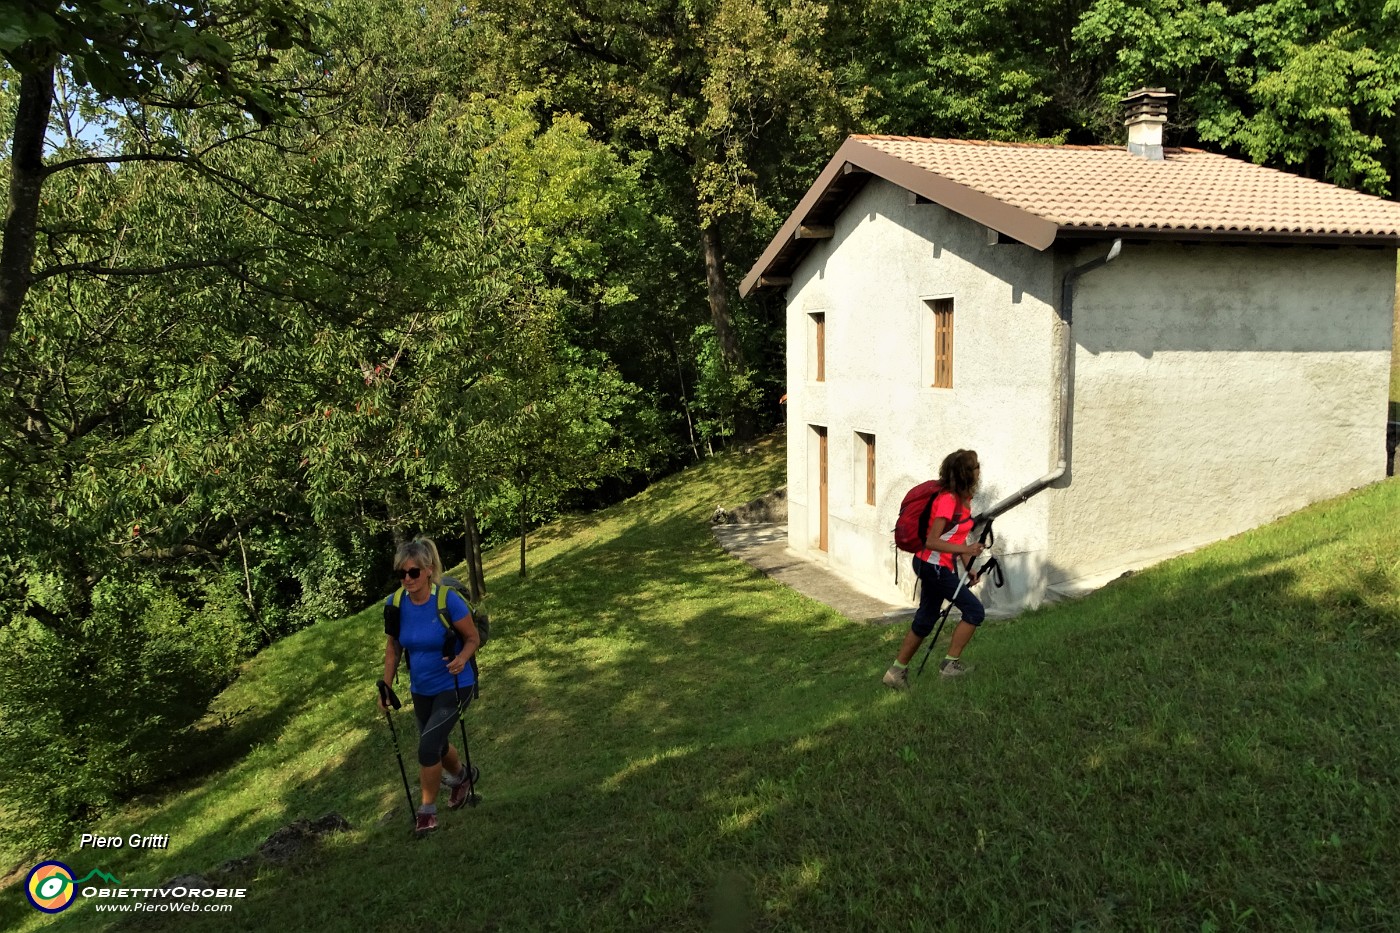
(822, 484)
(869, 440)
(943, 343)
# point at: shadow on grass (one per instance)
(1184, 746)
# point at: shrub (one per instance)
(101, 693)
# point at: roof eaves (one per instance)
(1031, 229)
(1240, 235)
(788, 231)
(1019, 224)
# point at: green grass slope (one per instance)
(670, 741)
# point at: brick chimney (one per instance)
(1145, 113)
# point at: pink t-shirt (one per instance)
(945, 506)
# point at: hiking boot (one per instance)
(426, 823)
(461, 790)
(897, 679)
(952, 667)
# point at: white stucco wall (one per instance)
(1217, 388)
(871, 281)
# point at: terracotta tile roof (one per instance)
(1036, 194)
(1107, 187)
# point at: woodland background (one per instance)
(282, 283)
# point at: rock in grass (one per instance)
(289, 841)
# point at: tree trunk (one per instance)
(394, 507)
(522, 531)
(476, 577)
(26, 183)
(723, 321)
(685, 400)
(720, 317)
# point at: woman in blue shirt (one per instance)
(438, 680)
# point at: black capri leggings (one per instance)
(436, 716)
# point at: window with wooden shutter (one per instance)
(818, 347)
(942, 310)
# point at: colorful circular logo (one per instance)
(50, 887)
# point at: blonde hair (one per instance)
(423, 552)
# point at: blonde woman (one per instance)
(439, 670)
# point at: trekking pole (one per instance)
(472, 797)
(939, 629)
(389, 698)
(987, 539)
(449, 642)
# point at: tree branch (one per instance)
(99, 269)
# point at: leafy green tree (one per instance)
(179, 56)
(84, 729)
(1296, 84)
(575, 423)
(1000, 70)
(708, 91)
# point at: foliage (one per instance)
(999, 70)
(721, 393)
(176, 54)
(1307, 86)
(716, 95)
(574, 423)
(83, 729)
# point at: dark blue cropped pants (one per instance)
(937, 584)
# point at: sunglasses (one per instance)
(413, 573)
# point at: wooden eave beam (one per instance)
(849, 169)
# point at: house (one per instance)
(1150, 348)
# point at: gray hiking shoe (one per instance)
(952, 667)
(896, 679)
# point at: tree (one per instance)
(704, 89)
(1301, 85)
(179, 56)
(1002, 70)
(245, 355)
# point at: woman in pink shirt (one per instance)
(950, 520)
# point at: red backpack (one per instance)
(911, 529)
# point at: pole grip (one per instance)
(387, 695)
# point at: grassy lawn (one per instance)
(669, 741)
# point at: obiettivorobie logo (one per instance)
(51, 887)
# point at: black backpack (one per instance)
(451, 640)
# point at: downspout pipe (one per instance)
(1066, 315)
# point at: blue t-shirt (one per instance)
(421, 633)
